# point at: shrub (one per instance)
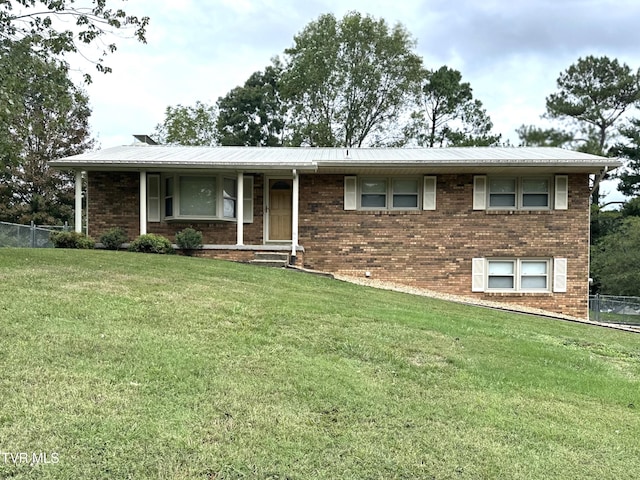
(189, 240)
(71, 240)
(113, 238)
(151, 243)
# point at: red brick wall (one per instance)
(114, 201)
(429, 249)
(433, 249)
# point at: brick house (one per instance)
(502, 224)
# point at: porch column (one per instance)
(143, 202)
(294, 215)
(78, 218)
(240, 208)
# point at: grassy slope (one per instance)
(140, 366)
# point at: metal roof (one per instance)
(330, 159)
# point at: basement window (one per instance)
(518, 275)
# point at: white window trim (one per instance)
(519, 193)
(517, 274)
(556, 275)
(176, 217)
(353, 193)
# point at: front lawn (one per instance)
(120, 365)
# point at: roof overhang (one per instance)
(340, 160)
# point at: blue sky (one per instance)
(510, 51)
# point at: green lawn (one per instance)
(120, 365)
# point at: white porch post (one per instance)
(240, 208)
(143, 202)
(294, 214)
(78, 212)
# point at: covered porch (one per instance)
(258, 211)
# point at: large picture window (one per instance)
(199, 197)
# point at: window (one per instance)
(168, 197)
(389, 193)
(395, 193)
(374, 193)
(521, 193)
(405, 193)
(502, 192)
(199, 197)
(229, 198)
(535, 192)
(517, 193)
(518, 275)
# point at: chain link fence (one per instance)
(28, 236)
(615, 309)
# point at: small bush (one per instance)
(189, 240)
(71, 240)
(113, 238)
(151, 243)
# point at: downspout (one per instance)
(599, 179)
(294, 216)
(596, 182)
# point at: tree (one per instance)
(253, 115)
(447, 113)
(194, 125)
(630, 174)
(45, 24)
(593, 94)
(615, 260)
(532, 136)
(348, 81)
(43, 117)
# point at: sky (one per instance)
(510, 51)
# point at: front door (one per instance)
(280, 201)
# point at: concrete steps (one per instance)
(270, 259)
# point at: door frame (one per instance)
(267, 207)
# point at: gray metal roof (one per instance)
(330, 159)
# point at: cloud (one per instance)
(511, 52)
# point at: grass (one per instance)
(122, 365)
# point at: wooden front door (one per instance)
(280, 200)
